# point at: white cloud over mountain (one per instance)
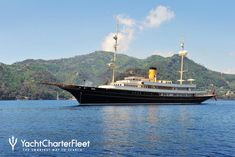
(129, 27)
(125, 37)
(125, 34)
(229, 71)
(164, 54)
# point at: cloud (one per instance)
(158, 16)
(129, 27)
(232, 54)
(164, 54)
(125, 20)
(125, 37)
(229, 71)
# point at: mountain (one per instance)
(22, 80)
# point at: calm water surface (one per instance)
(153, 130)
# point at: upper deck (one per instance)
(146, 83)
(160, 86)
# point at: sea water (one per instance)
(142, 130)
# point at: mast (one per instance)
(57, 96)
(182, 54)
(115, 37)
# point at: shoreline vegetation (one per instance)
(22, 80)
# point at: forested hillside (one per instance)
(22, 80)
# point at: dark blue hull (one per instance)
(94, 95)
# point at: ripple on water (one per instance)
(164, 130)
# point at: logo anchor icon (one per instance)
(12, 142)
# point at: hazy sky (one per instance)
(50, 29)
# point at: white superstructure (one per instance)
(165, 87)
